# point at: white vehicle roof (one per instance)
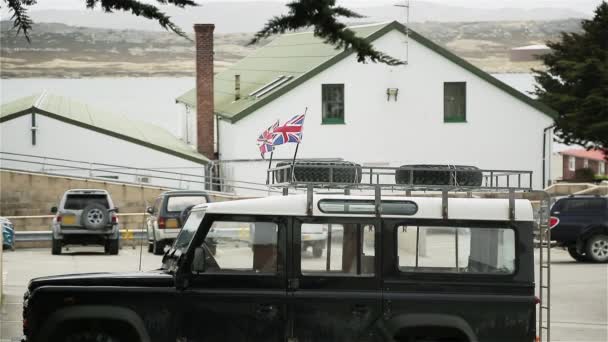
(489, 209)
(87, 191)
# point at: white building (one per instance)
(54, 134)
(436, 109)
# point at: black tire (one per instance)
(305, 171)
(158, 247)
(576, 255)
(183, 216)
(94, 216)
(597, 248)
(112, 246)
(462, 175)
(150, 247)
(317, 251)
(56, 247)
(91, 336)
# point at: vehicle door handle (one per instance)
(266, 309)
(359, 310)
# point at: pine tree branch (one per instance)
(322, 16)
(20, 18)
(147, 11)
(23, 23)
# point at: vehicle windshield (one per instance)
(187, 233)
(179, 203)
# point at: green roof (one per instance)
(116, 125)
(302, 56)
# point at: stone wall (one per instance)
(31, 194)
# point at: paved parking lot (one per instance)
(579, 291)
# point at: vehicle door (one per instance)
(576, 214)
(335, 295)
(240, 295)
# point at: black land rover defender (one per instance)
(405, 269)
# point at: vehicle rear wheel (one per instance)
(150, 246)
(317, 251)
(158, 247)
(597, 248)
(112, 246)
(576, 255)
(56, 247)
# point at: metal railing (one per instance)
(385, 177)
(169, 178)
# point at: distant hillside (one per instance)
(59, 50)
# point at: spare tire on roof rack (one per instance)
(457, 175)
(312, 171)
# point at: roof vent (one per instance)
(271, 86)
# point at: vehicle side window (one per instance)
(241, 246)
(456, 250)
(584, 205)
(350, 251)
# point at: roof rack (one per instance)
(379, 178)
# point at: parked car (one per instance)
(85, 217)
(580, 224)
(167, 215)
(8, 234)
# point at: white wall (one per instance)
(58, 139)
(501, 132)
(557, 166)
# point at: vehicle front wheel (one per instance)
(111, 246)
(597, 248)
(576, 255)
(56, 247)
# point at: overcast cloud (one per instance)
(585, 6)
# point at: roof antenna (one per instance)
(406, 23)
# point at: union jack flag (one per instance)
(290, 132)
(265, 140)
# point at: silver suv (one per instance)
(85, 216)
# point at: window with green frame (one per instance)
(454, 102)
(332, 103)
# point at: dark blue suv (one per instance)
(580, 223)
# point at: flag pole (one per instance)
(269, 166)
(293, 162)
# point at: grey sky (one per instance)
(586, 6)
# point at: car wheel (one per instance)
(597, 248)
(112, 246)
(576, 255)
(150, 247)
(158, 247)
(56, 247)
(317, 252)
(320, 171)
(462, 175)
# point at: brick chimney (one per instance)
(205, 133)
